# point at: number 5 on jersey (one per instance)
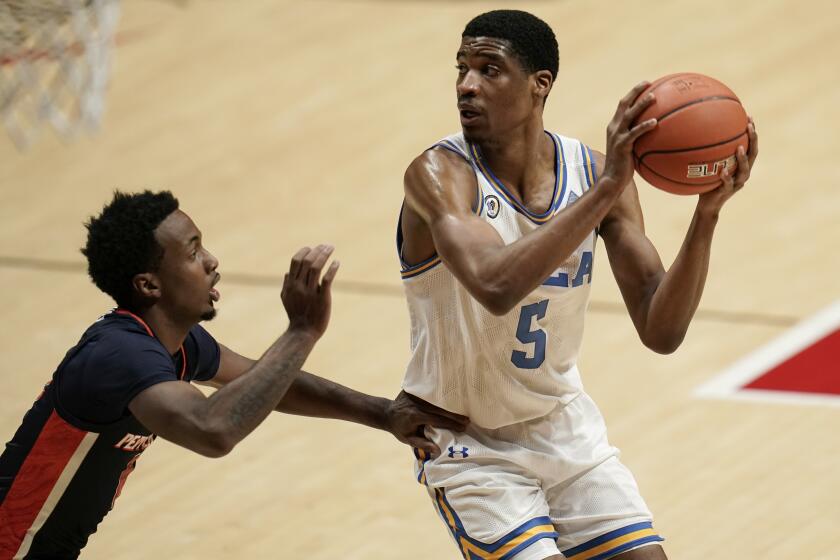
(525, 335)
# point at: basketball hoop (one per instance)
(54, 65)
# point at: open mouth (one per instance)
(468, 115)
(214, 293)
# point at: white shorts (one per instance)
(538, 488)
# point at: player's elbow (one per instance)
(215, 444)
(217, 450)
(498, 308)
(664, 342)
(497, 299)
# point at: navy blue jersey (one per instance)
(68, 460)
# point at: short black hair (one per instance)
(121, 241)
(531, 38)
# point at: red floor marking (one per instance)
(816, 369)
(800, 366)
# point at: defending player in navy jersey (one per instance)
(496, 239)
(127, 380)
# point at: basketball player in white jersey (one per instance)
(496, 239)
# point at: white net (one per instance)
(54, 65)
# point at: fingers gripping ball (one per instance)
(701, 123)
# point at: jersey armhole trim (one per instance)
(592, 165)
(411, 270)
(590, 173)
(446, 144)
(417, 269)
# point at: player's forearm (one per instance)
(234, 411)
(516, 270)
(315, 396)
(677, 297)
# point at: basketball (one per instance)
(701, 123)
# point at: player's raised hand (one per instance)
(407, 415)
(306, 295)
(621, 134)
(713, 200)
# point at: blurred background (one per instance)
(280, 124)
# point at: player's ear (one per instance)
(542, 83)
(146, 285)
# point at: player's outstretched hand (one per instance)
(712, 201)
(621, 134)
(407, 415)
(306, 296)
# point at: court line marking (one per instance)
(396, 290)
(728, 383)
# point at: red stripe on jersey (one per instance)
(123, 477)
(36, 478)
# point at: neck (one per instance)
(519, 159)
(169, 332)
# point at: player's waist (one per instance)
(494, 410)
(457, 386)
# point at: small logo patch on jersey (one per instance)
(572, 197)
(462, 453)
(492, 204)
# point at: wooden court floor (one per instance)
(280, 124)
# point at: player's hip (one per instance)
(495, 397)
(568, 440)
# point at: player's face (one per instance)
(187, 272)
(494, 91)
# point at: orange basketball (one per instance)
(701, 123)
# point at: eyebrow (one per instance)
(194, 239)
(482, 54)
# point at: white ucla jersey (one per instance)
(499, 370)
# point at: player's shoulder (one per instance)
(447, 161)
(452, 150)
(119, 322)
(119, 336)
(440, 179)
